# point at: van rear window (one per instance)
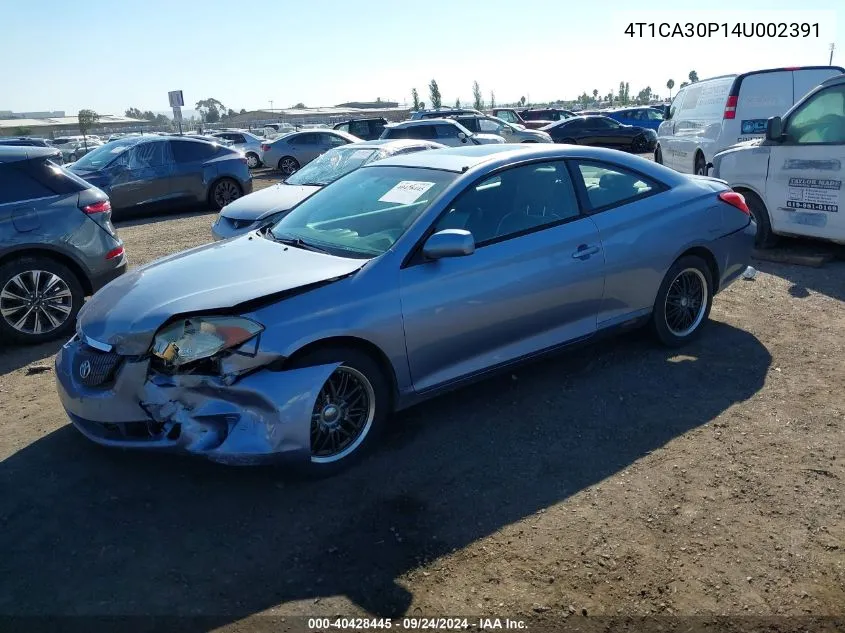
(706, 99)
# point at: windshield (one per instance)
(364, 213)
(333, 164)
(103, 155)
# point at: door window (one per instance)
(332, 140)
(507, 116)
(489, 127)
(653, 115)
(611, 185)
(359, 128)
(513, 202)
(306, 139)
(343, 127)
(820, 120)
(446, 131)
(146, 155)
(190, 151)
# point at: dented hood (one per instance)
(130, 309)
(258, 205)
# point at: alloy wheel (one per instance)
(35, 302)
(225, 192)
(251, 161)
(343, 415)
(686, 302)
(288, 166)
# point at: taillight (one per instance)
(735, 200)
(115, 252)
(97, 207)
(265, 148)
(730, 107)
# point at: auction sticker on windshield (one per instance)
(406, 192)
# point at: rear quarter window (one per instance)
(18, 183)
(189, 152)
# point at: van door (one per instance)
(761, 95)
(804, 192)
(666, 131)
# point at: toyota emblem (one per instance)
(85, 369)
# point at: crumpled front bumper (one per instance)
(224, 227)
(262, 417)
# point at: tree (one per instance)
(23, 131)
(644, 95)
(492, 99)
(299, 106)
(693, 76)
(610, 98)
(522, 101)
(684, 84)
(422, 105)
(434, 94)
(457, 103)
(231, 113)
(133, 113)
(670, 84)
(87, 119)
(477, 100)
(415, 99)
(208, 106)
(595, 94)
(243, 111)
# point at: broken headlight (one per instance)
(196, 338)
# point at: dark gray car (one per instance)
(148, 172)
(57, 245)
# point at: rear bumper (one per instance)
(733, 254)
(101, 279)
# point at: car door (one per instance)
(535, 279)
(305, 147)
(142, 175)
(804, 193)
(449, 135)
(633, 225)
(191, 175)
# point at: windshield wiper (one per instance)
(312, 184)
(298, 242)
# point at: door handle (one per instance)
(585, 251)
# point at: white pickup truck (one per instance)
(792, 179)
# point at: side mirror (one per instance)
(449, 243)
(774, 129)
(462, 137)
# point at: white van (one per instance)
(707, 116)
(792, 180)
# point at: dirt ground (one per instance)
(620, 480)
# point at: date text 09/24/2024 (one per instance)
(723, 29)
(413, 624)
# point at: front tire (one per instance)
(569, 141)
(39, 300)
(224, 191)
(764, 237)
(350, 410)
(683, 302)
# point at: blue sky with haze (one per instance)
(109, 55)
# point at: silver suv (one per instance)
(445, 131)
(440, 113)
(486, 124)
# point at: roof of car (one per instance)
(465, 159)
(421, 122)
(389, 143)
(17, 153)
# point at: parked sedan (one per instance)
(445, 131)
(267, 206)
(75, 150)
(57, 245)
(407, 277)
(149, 172)
(602, 131)
(290, 152)
(485, 124)
(644, 116)
(249, 144)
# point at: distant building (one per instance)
(8, 114)
(48, 127)
(368, 105)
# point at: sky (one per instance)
(109, 56)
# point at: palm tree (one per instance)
(670, 84)
(693, 76)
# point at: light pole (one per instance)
(830, 61)
(271, 105)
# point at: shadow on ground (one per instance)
(829, 279)
(86, 530)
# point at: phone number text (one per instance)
(723, 29)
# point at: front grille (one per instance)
(94, 368)
(239, 224)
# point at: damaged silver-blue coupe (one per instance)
(409, 276)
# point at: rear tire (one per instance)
(764, 237)
(658, 155)
(252, 160)
(223, 192)
(288, 165)
(569, 141)
(345, 424)
(683, 302)
(700, 166)
(35, 293)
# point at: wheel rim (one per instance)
(225, 192)
(686, 302)
(288, 166)
(35, 302)
(343, 415)
(252, 161)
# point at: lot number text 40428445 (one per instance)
(722, 29)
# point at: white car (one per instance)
(708, 116)
(445, 131)
(792, 179)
